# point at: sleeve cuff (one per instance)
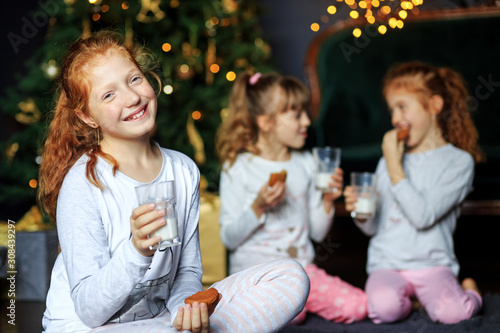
(399, 186)
(135, 256)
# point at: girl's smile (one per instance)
(138, 115)
(121, 101)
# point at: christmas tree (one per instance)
(201, 46)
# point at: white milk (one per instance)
(168, 231)
(323, 179)
(365, 207)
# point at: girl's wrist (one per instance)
(396, 175)
(396, 172)
(258, 210)
(328, 206)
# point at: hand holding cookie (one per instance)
(195, 315)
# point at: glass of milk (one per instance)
(162, 194)
(326, 159)
(364, 185)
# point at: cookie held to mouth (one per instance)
(403, 134)
(210, 297)
(277, 176)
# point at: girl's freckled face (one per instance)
(121, 100)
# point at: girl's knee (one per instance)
(290, 267)
(294, 276)
(346, 308)
(455, 308)
(387, 305)
(448, 313)
(358, 311)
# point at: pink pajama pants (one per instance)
(437, 289)
(332, 298)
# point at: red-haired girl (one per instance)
(422, 180)
(107, 275)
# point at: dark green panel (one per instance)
(353, 114)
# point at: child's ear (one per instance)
(87, 119)
(436, 104)
(264, 123)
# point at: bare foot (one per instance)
(469, 283)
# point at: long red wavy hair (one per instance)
(68, 137)
(455, 121)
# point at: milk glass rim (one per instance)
(361, 173)
(326, 148)
(155, 183)
(142, 186)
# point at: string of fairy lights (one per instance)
(384, 13)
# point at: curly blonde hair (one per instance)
(251, 97)
(68, 137)
(455, 121)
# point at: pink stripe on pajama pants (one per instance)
(263, 298)
(437, 288)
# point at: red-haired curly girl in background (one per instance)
(421, 183)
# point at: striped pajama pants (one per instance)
(263, 298)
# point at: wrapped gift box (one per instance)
(213, 252)
(36, 252)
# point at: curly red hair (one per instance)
(455, 121)
(68, 137)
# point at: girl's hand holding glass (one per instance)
(350, 198)
(144, 221)
(337, 182)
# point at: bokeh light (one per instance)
(231, 76)
(166, 47)
(196, 115)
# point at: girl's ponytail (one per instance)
(238, 131)
(455, 119)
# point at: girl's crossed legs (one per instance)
(437, 288)
(263, 298)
